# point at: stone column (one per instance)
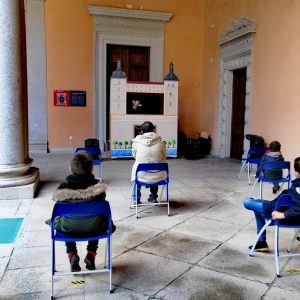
(17, 178)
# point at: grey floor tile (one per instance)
(199, 283)
(234, 261)
(281, 294)
(146, 273)
(130, 234)
(22, 281)
(177, 246)
(206, 228)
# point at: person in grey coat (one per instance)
(272, 154)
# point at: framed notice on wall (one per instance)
(61, 98)
(77, 98)
(69, 98)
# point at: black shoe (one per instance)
(152, 200)
(90, 262)
(276, 189)
(74, 262)
(261, 246)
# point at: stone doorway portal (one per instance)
(236, 53)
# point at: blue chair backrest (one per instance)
(257, 151)
(153, 168)
(94, 151)
(81, 210)
(276, 165)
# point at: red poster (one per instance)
(61, 98)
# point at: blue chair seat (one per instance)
(150, 168)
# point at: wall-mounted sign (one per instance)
(77, 98)
(61, 98)
(69, 98)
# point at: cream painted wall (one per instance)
(276, 67)
(70, 65)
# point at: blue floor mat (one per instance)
(9, 229)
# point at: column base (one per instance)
(25, 191)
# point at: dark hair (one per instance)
(147, 127)
(82, 163)
(297, 164)
(275, 146)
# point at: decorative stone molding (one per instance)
(238, 28)
(124, 27)
(120, 13)
(236, 49)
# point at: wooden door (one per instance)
(135, 63)
(238, 113)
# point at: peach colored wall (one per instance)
(69, 42)
(276, 67)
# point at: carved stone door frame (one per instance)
(236, 52)
(124, 27)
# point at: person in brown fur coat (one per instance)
(81, 185)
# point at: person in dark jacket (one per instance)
(81, 186)
(264, 209)
(273, 154)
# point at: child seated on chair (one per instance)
(264, 209)
(148, 147)
(273, 154)
(81, 186)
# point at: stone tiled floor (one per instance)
(199, 252)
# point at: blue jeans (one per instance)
(256, 205)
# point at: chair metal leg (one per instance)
(252, 190)
(242, 168)
(293, 240)
(258, 236)
(105, 265)
(248, 172)
(161, 193)
(167, 191)
(53, 269)
(260, 189)
(276, 253)
(100, 172)
(110, 263)
(136, 202)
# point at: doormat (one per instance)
(9, 229)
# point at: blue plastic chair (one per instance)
(150, 168)
(81, 211)
(254, 156)
(97, 157)
(273, 166)
(283, 203)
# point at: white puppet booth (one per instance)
(156, 102)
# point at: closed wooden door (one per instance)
(135, 63)
(238, 113)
